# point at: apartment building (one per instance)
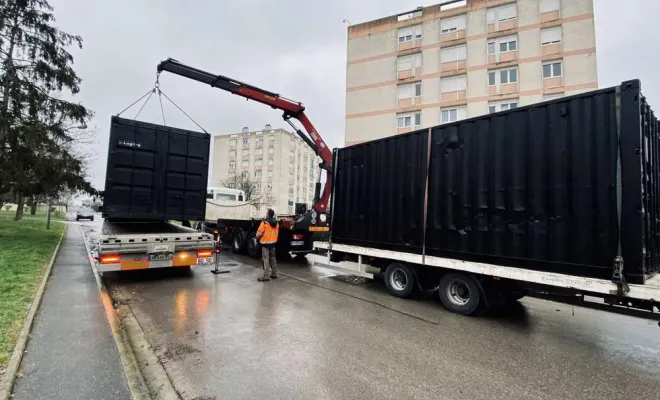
(279, 162)
(463, 59)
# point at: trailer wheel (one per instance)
(253, 247)
(459, 293)
(399, 280)
(238, 241)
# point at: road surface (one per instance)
(310, 336)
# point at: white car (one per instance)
(85, 213)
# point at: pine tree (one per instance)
(35, 68)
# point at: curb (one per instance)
(146, 377)
(14, 365)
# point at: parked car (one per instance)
(85, 213)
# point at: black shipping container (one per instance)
(561, 186)
(155, 172)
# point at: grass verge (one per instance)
(40, 216)
(25, 249)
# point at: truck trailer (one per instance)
(561, 196)
(154, 174)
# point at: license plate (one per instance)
(163, 248)
(297, 243)
(160, 257)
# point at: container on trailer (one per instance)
(155, 172)
(561, 186)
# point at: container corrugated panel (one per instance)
(562, 186)
(155, 172)
(378, 193)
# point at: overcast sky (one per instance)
(293, 47)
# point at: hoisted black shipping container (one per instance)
(561, 186)
(155, 172)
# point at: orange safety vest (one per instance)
(269, 233)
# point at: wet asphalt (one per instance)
(309, 336)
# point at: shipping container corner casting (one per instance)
(563, 186)
(155, 172)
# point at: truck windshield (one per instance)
(225, 197)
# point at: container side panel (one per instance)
(379, 193)
(532, 187)
(562, 186)
(155, 172)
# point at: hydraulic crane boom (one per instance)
(290, 108)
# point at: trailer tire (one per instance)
(238, 241)
(459, 293)
(399, 280)
(252, 245)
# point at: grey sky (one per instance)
(293, 47)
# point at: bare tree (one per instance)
(253, 194)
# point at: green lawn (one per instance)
(41, 216)
(25, 249)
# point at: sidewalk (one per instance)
(71, 353)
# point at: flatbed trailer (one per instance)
(466, 287)
(133, 245)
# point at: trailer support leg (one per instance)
(618, 278)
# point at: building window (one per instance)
(502, 106)
(452, 114)
(290, 191)
(232, 165)
(504, 45)
(502, 18)
(451, 25)
(551, 36)
(491, 79)
(259, 152)
(407, 34)
(245, 164)
(245, 152)
(257, 174)
(452, 58)
(409, 66)
(551, 40)
(408, 94)
(246, 141)
(509, 76)
(505, 76)
(549, 9)
(453, 84)
(257, 186)
(409, 120)
(552, 70)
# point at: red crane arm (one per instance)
(291, 109)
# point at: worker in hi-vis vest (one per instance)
(267, 236)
